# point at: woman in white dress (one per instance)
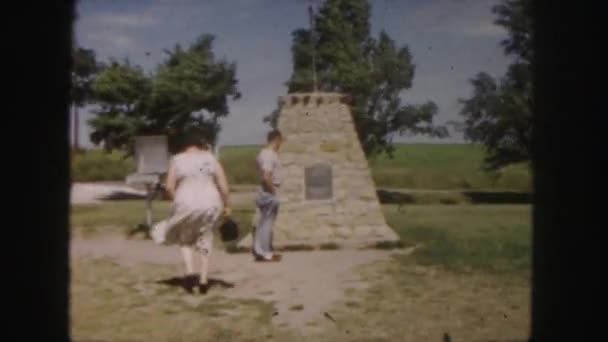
(197, 184)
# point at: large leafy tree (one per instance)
(374, 71)
(191, 91)
(188, 91)
(122, 92)
(84, 70)
(499, 113)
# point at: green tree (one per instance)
(191, 91)
(374, 71)
(188, 91)
(499, 113)
(122, 92)
(84, 70)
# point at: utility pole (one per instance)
(76, 122)
(75, 114)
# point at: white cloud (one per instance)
(111, 39)
(471, 18)
(114, 33)
(126, 20)
(484, 30)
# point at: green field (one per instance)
(414, 166)
(444, 166)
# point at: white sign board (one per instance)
(151, 154)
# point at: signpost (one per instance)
(152, 160)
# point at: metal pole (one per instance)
(149, 205)
(314, 47)
(76, 122)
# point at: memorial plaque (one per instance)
(318, 181)
(151, 154)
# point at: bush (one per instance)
(94, 166)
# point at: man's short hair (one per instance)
(272, 135)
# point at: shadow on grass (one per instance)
(389, 245)
(330, 246)
(395, 197)
(123, 196)
(454, 197)
(142, 229)
(234, 249)
(180, 282)
(498, 197)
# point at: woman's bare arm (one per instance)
(171, 181)
(267, 182)
(222, 185)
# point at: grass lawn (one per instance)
(470, 280)
(117, 217)
(414, 166)
(408, 302)
(115, 303)
(487, 238)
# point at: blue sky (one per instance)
(450, 41)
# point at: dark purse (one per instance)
(229, 230)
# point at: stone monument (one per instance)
(328, 194)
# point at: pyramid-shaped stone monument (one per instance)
(328, 195)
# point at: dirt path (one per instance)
(314, 280)
(91, 193)
(94, 193)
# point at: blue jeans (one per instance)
(268, 205)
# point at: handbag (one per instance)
(229, 230)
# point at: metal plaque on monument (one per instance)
(318, 182)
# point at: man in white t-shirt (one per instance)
(267, 202)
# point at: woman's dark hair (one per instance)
(273, 135)
(194, 138)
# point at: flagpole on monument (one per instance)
(313, 43)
